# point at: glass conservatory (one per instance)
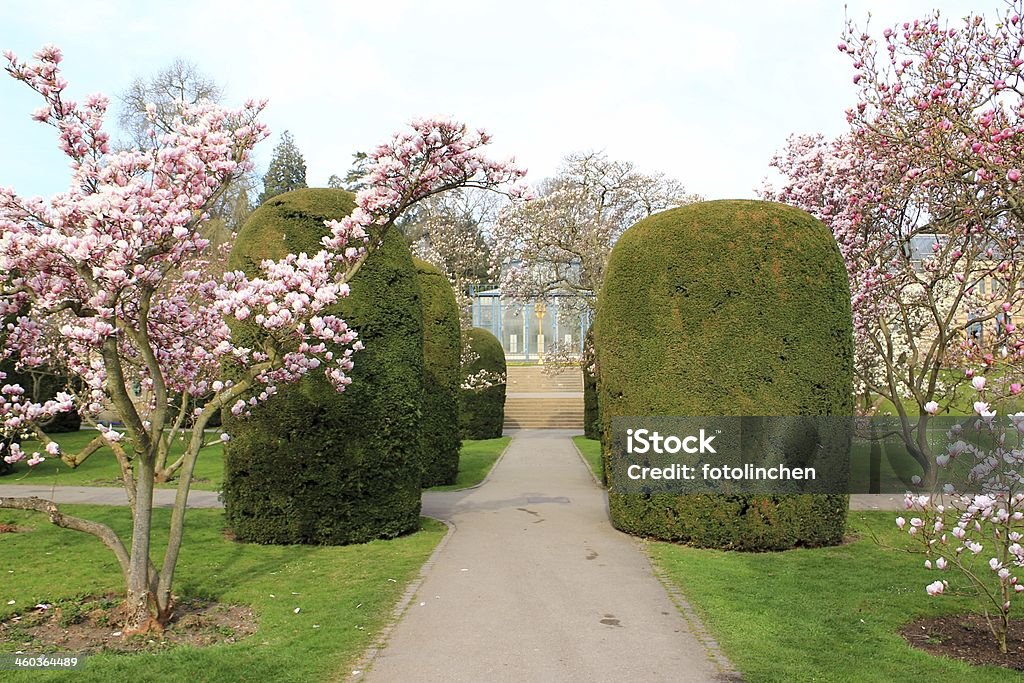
(528, 331)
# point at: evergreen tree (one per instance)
(287, 170)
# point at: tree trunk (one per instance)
(141, 615)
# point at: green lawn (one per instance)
(101, 468)
(476, 459)
(346, 595)
(894, 472)
(829, 614)
(964, 403)
(591, 450)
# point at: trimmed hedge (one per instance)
(482, 413)
(439, 426)
(591, 413)
(312, 465)
(6, 467)
(726, 308)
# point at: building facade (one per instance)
(530, 330)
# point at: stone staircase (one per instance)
(535, 400)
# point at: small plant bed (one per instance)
(826, 614)
(476, 458)
(101, 468)
(591, 450)
(91, 625)
(966, 637)
(315, 609)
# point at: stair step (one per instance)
(532, 379)
(538, 400)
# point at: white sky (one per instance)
(704, 91)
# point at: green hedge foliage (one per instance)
(49, 384)
(482, 413)
(439, 433)
(312, 465)
(726, 308)
(591, 412)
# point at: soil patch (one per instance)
(93, 625)
(968, 638)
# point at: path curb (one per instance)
(487, 478)
(727, 672)
(593, 475)
(365, 662)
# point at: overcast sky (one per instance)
(704, 91)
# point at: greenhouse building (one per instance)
(530, 330)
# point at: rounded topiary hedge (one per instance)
(439, 429)
(726, 308)
(312, 465)
(482, 412)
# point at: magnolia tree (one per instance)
(152, 104)
(979, 537)
(451, 232)
(108, 278)
(560, 241)
(923, 194)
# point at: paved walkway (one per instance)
(106, 495)
(435, 504)
(876, 501)
(535, 585)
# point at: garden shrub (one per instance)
(312, 465)
(7, 441)
(439, 429)
(482, 412)
(591, 414)
(42, 385)
(726, 308)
